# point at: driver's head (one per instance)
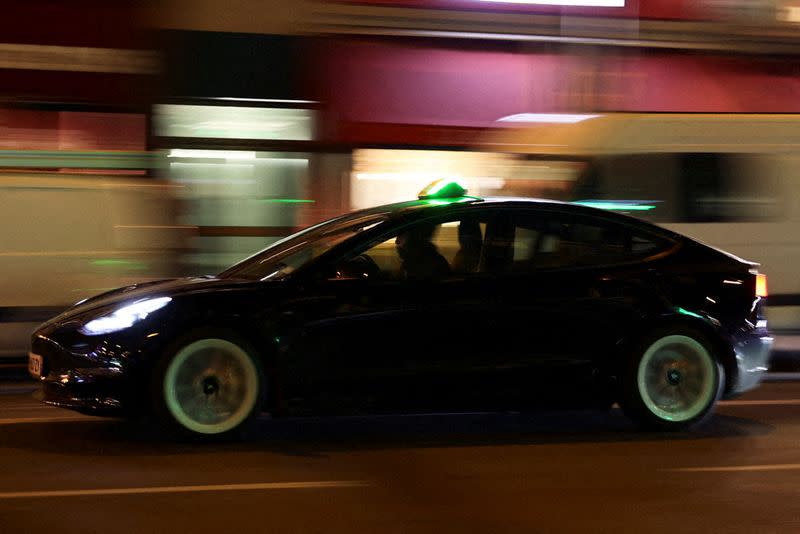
(414, 239)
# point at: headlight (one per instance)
(123, 317)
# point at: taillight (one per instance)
(761, 285)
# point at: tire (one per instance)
(210, 385)
(672, 380)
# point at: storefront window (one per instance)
(234, 122)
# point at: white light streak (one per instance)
(548, 118)
(736, 468)
(321, 484)
(212, 154)
(570, 3)
(264, 100)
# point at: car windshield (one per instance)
(287, 255)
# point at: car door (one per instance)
(341, 335)
(453, 358)
(406, 332)
(570, 286)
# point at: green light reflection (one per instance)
(689, 313)
(443, 189)
(115, 262)
(615, 206)
(286, 200)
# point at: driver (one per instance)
(419, 257)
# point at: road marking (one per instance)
(765, 402)
(734, 468)
(321, 484)
(58, 419)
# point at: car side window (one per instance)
(545, 241)
(422, 251)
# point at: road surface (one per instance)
(484, 473)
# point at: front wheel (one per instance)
(672, 381)
(208, 387)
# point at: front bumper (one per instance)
(83, 392)
(92, 382)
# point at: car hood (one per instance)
(136, 292)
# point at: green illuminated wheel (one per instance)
(673, 380)
(209, 386)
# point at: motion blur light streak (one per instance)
(287, 200)
(113, 262)
(549, 118)
(791, 14)
(212, 154)
(570, 3)
(79, 160)
(264, 100)
(740, 468)
(400, 176)
(616, 206)
(77, 58)
(187, 489)
(234, 122)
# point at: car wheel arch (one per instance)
(261, 346)
(720, 345)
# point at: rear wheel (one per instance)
(209, 386)
(672, 381)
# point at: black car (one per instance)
(446, 303)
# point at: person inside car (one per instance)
(419, 257)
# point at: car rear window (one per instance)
(542, 241)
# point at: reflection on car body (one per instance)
(448, 302)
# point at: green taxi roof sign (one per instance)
(442, 189)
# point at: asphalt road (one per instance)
(486, 473)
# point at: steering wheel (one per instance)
(361, 266)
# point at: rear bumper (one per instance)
(752, 350)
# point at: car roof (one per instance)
(426, 207)
(410, 206)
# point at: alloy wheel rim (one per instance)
(211, 386)
(676, 378)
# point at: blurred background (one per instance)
(143, 140)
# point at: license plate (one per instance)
(35, 365)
